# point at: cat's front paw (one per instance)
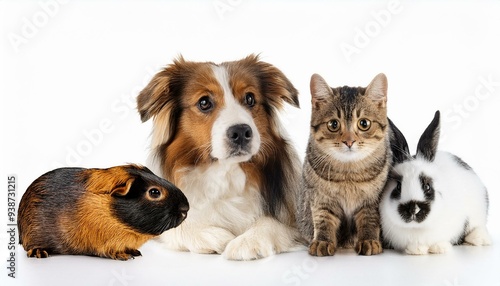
(368, 247)
(321, 248)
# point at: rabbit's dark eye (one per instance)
(428, 191)
(426, 185)
(154, 193)
(396, 193)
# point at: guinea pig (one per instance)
(432, 200)
(97, 212)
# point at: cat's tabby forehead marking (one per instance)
(348, 97)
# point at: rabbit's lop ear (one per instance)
(428, 143)
(399, 146)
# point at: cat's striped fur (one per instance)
(345, 168)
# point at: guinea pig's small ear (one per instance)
(428, 143)
(122, 189)
(399, 146)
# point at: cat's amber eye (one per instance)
(364, 124)
(333, 125)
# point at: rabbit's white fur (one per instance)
(456, 212)
(459, 207)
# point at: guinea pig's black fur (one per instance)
(102, 212)
(144, 217)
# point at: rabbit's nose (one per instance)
(416, 210)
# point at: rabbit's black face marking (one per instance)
(414, 211)
(396, 192)
(427, 187)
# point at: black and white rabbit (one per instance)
(432, 200)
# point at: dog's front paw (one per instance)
(197, 238)
(210, 240)
(369, 247)
(266, 237)
(321, 248)
(249, 247)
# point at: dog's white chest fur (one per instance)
(209, 120)
(219, 195)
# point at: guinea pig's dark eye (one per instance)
(205, 104)
(396, 193)
(154, 193)
(250, 99)
(333, 125)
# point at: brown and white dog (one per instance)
(216, 135)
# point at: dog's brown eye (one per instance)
(250, 99)
(364, 124)
(154, 193)
(205, 104)
(333, 125)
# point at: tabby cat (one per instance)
(346, 166)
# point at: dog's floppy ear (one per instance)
(274, 84)
(159, 91)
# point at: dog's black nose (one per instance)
(240, 134)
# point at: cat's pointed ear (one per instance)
(399, 146)
(428, 143)
(377, 89)
(320, 90)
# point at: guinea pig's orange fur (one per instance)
(89, 226)
(113, 240)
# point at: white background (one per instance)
(70, 73)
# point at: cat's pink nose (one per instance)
(349, 143)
